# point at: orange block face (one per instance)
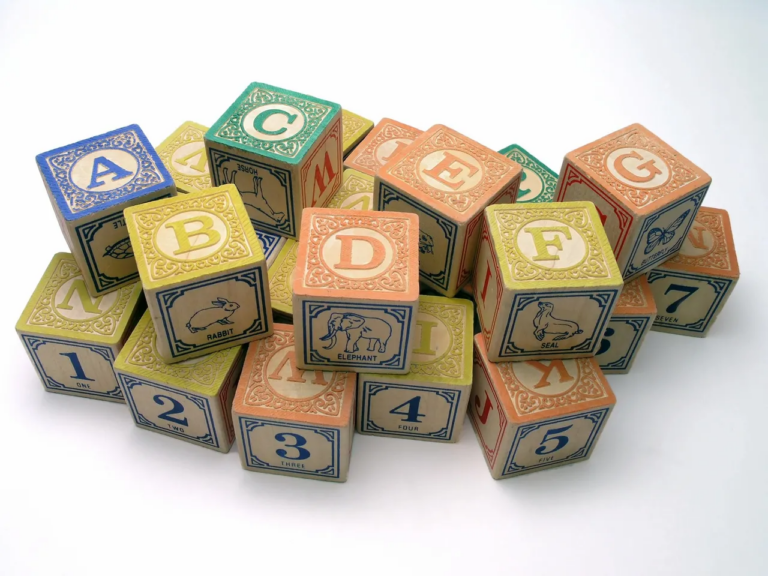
(291, 421)
(646, 192)
(691, 289)
(448, 180)
(356, 290)
(384, 142)
(630, 322)
(537, 414)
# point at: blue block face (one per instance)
(620, 342)
(408, 411)
(170, 410)
(290, 447)
(71, 367)
(554, 442)
(103, 172)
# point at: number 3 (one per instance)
(561, 440)
(300, 441)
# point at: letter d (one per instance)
(345, 258)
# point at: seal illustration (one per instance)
(545, 323)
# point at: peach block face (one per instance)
(385, 141)
(291, 421)
(355, 291)
(537, 414)
(647, 194)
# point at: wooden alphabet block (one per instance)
(691, 289)
(546, 281)
(283, 151)
(538, 182)
(356, 290)
(384, 142)
(73, 338)
(203, 272)
(537, 414)
(430, 402)
(646, 192)
(189, 400)
(183, 154)
(281, 275)
(89, 184)
(271, 244)
(630, 322)
(447, 179)
(353, 129)
(289, 421)
(356, 192)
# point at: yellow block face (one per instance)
(189, 400)
(356, 192)
(281, 275)
(71, 337)
(183, 153)
(353, 130)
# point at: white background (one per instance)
(677, 484)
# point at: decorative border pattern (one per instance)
(718, 258)
(639, 325)
(371, 389)
(280, 285)
(364, 157)
(352, 184)
(252, 277)
(270, 243)
(128, 383)
(528, 161)
(33, 343)
(632, 296)
(598, 418)
(354, 128)
(187, 133)
(332, 435)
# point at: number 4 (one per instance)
(688, 292)
(412, 414)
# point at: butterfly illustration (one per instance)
(664, 235)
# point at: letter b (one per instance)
(184, 236)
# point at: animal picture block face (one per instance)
(203, 271)
(537, 182)
(546, 281)
(90, 183)
(183, 154)
(537, 414)
(189, 400)
(72, 337)
(356, 192)
(692, 288)
(647, 194)
(283, 152)
(429, 402)
(356, 289)
(387, 139)
(447, 180)
(289, 420)
(353, 129)
(630, 322)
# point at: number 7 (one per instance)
(688, 292)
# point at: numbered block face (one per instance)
(356, 192)
(203, 271)
(89, 184)
(271, 244)
(356, 290)
(384, 142)
(72, 337)
(283, 152)
(538, 182)
(281, 275)
(353, 129)
(447, 180)
(546, 281)
(537, 414)
(189, 400)
(183, 154)
(646, 192)
(428, 403)
(630, 322)
(691, 289)
(291, 421)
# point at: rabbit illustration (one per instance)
(220, 312)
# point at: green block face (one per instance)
(283, 152)
(538, 181)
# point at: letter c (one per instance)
(258, 122)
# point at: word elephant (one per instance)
(355, 327)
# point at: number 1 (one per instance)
(79, 372)
(688, 292)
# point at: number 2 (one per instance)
(561, 440)
(688, 292)
(412, 415)
(176, 408)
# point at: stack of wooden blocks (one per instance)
(295, 273)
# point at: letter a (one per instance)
(183, 236)
(109, 167)
(297, 375)
(90, 306)
(547, 370)
(345, 257)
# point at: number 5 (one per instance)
(561, 440)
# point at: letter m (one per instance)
(323, 178)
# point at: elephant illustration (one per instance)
(376, 331)
(255, 196)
